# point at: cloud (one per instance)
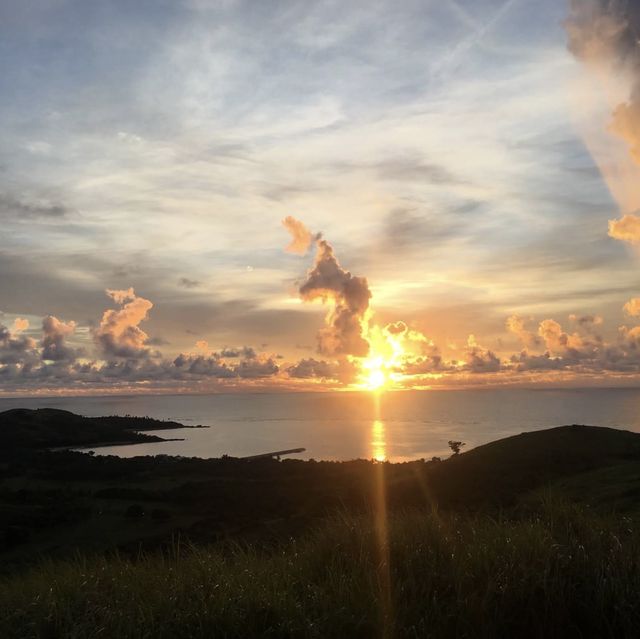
(246, 352)
(349, 298)
(632, 307)
(480, 360)
(627, 228)
(19, 208)
(566, 350)
(405, 229)
(20, 324)
(626, 123)
(185, 282)
(213, 366)
(396, 328)
(256, 368)
(16, 349)
(516, 325)
(342, 370)
(587, 322)
(431, 361)
(604, 35)
(557, 341)
(54, 334)
(313, 368)
(203, 345)
(412, 169)
(527, 362)
(301, 237)
(200, 365)
(119, 334)
(601, 31)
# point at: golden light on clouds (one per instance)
(380, 369)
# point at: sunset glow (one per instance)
(201, 239)
(313, 305)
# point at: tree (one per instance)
(456, 446)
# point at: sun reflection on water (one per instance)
(378, 441)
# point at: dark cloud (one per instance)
(54, 335)
(313, 368)
(17, 208)
(605, 30)
(480, 360)
(256, 368)
(349, 296)
(246, 352)
(414, 169)
(200, 365)
(432, 362)
(16, 349)
(604, 34)
(528, 362)
(404, 228)
(185, 282)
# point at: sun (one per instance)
(376, 379)
(376, 372)
(379, 369)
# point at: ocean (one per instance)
(397, 426)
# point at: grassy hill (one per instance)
(502, 471)
(559, 575)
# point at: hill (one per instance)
(492, 542)
(22, 428)
(53, 503)
(501, 471)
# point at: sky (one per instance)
(464, 176)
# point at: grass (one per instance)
(560, 572)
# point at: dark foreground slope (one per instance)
(483, 544)
(562, 574)
(54, 503)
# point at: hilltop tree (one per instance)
(456, 446)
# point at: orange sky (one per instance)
(459, 184)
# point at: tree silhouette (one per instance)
(456, 446)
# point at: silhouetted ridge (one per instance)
(501, 470)
(51, 427)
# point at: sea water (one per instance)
(398, 426)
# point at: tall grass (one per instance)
(559, 573)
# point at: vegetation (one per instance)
(456, 446)
(562, 573)
(530, 536)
